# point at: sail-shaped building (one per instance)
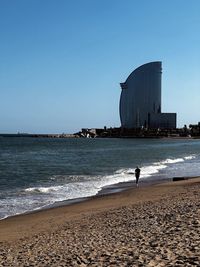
(140, 101)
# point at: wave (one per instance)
(67, 187)
(154, 168)
(190, 157)
(43, 189)
(148, 171)
(91, 185)
(171, 161)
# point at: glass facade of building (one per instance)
(140, 101)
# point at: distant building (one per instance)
(194, 129)
(140, 101)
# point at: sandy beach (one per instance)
(157, 225)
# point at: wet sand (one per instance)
(157, 225)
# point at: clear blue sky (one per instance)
(61, 61)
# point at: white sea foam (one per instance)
(73, 187)
(172, 161)
(43, 189)
(147, 171)
(190, 157)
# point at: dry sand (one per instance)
(157, 225)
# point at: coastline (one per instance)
(50, 187)
(106, 190)
(144, 226)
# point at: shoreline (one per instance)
(156, 225)
(108, 192)
(104, 191)
(75, 136)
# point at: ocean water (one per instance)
(37, 172)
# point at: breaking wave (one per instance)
(65, 187)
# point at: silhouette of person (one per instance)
(137, 175)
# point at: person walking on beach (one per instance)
(137, 175)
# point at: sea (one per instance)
(36, 173)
